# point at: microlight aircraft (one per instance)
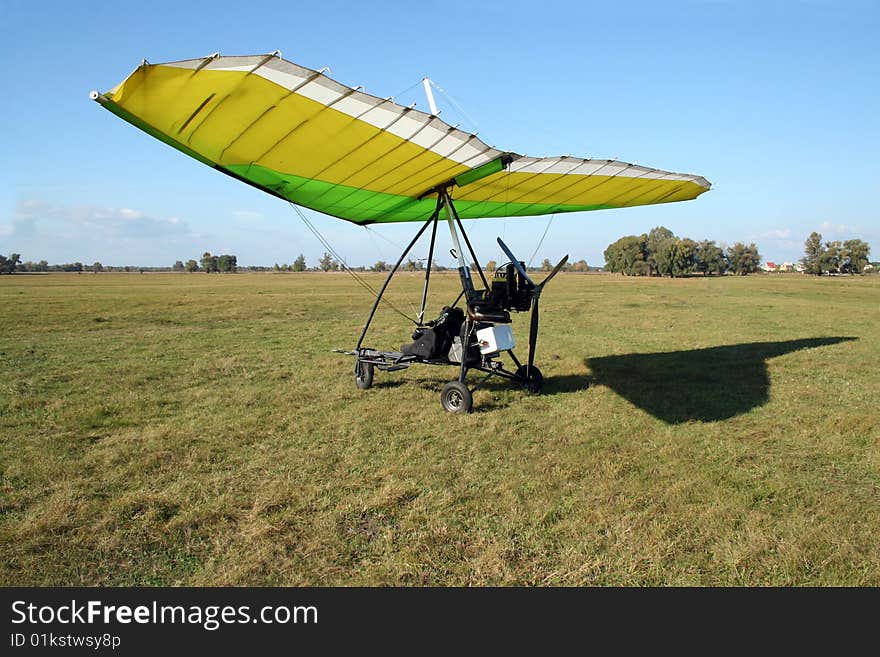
(303, 137)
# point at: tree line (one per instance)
(328, 263)
(210, 264)
(13, 263)
(656, 253)
(661, 253)
(836, 257)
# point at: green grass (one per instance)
(197, 430)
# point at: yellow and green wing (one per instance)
(300, 135)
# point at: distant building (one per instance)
(786, 266)
(770, 266)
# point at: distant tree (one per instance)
(327, 263)
(9, 265)
(379, 266)
(685, 259)
(415, 265)
(580, 266)
(97, 266)
(209, 263)
(178, 266)
(709, 258)
(491, 266)
(848, 257)
(830, 259)
(743, 259)
(657, 246)
(813, 254)
(628, 256)
(227, 264)
(546, 265)
(663, 256)
(300, 263)
(191, 266)
(857, 251)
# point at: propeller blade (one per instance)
(533, 335)
(516, 263)
(555, 271)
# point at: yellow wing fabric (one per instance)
(301, 136)
(531, 186)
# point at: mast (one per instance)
(426, 82)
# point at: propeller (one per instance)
(536, 289)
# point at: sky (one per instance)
(776, 103)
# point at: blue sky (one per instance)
(776, 103)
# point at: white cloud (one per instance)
(94, 222)
(838, 229)
(778, 234)
(120, 236)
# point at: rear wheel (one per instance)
(456, 398)
(534, 381)
(363, 375)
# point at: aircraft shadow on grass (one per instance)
(707, 385)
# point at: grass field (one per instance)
(187, 429)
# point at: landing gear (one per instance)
(363, 375)
(456, 398)
(534, 381)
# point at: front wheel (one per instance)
(456, 398)
(363, 375)
(534, 381)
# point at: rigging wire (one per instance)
(381, 236)
(541, 241)
(455, 104)
(391, 242)
(344, 264)
(375, 244)
(407, 90)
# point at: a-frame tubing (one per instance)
(432, 219)
(428, 271)
(467, 283)
(479, 269)
(445, 202)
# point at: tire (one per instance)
(363, 375)
(456, 398)
(535, 381)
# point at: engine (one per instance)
(510, 290)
